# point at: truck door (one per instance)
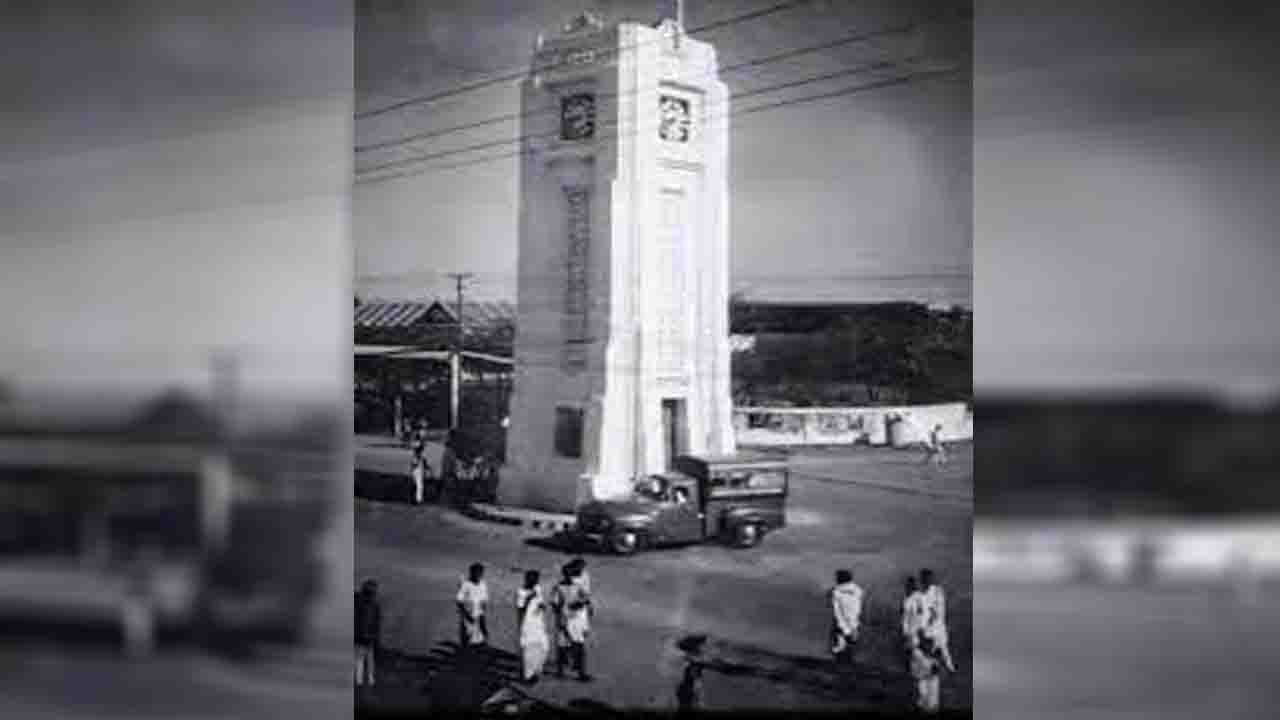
(681, 519)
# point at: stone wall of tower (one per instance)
(655, 272)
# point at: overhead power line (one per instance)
(876, 85)
(392, 164)
(736, 67)
(523, 70)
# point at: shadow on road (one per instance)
(446, 677)
(560, 543)
(860, 684)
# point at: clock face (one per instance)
(674, 119)
(577, 117)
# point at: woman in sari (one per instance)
(535, 644)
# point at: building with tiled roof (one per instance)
(488, 326)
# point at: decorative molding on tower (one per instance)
(577, 269)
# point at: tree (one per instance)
(886, 349)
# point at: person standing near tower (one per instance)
(846, 608)
(473, 602)
(934, 618)
(573, 623)
(532, 624)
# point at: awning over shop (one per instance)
(489, 358)
(410, 354)
(401, 352)
(379, 350)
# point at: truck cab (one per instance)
(736, 499)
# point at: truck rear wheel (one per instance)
(747, 535)
(624, 542)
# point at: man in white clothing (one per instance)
(846, 608)
(572, 607)
(473, 601)
(934, 606)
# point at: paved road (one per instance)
(878, 512)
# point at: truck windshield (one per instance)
(652, 488)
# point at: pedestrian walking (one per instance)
(846, 608)
(571, 604)
(368, 623)
(935, 449)
(535, 645)
(912, 615)
(473, 602)
(934, 616)
(926, 670)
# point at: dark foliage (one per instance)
(864, 354)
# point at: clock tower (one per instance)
(622, 347)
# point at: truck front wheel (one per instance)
(624, 542)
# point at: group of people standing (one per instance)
(923, 627)
(567, 608)
(462, 480)
(559, 619)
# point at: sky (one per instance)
(175, 182)
(1126, 166)
(863, 197)
(177, 179)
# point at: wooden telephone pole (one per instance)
(455, 356)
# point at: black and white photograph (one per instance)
(662, 361)
(659, 319)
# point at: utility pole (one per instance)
(455, 357)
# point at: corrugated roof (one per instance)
(405, 314)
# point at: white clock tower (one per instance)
(622, 347)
